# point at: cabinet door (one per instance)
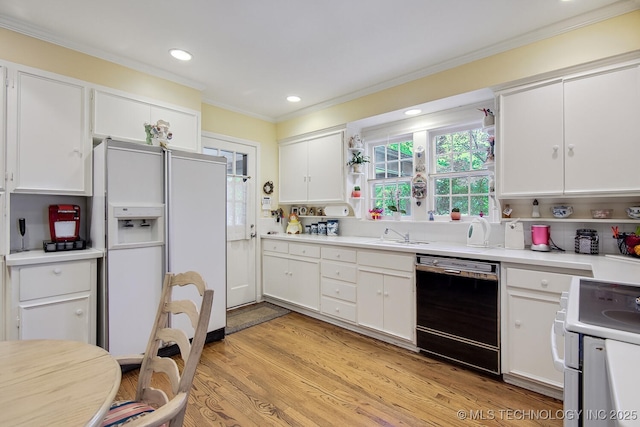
(3, 99)
(530, 153)
(370, 299)
(601, 132)
(52, 152)
(184, 126)
(63, 319)
(293, 172)
(326, 169)
(275, 277)
(529, 325)
(304, 283)
(398, 306)
(119, 117)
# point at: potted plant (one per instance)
(356, 192)
(357, 159)
(455, 214)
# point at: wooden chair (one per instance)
(152, 406)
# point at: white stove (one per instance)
(600, 322)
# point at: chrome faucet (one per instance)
(404, 236)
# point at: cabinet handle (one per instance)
(304, 251)
(309, 178)
(79, 312)
(386, 294)
(544, 283)
(337, 291)
(518, 323)
(338, 256)
(57, 271)
(571, 147)
(337, 272)
(379, 293)
(556, 147)
(337, 310)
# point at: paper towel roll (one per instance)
(339, 210)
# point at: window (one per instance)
(460, 179)
(392, 163)
(237, 191)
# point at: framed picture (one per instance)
(302, 210)
(294, 210)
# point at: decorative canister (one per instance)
(322, 227)
(307, 229)
(332, 227)
(587, 242)
(314, 228)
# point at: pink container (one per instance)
(540, 235)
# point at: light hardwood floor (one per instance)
(298, 371)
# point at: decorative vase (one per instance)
(356, 194)
(455, 216)
(356, 167)
(397, 216)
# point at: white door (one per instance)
(241, 216)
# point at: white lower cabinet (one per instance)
(54, 300)
(532, 300)
(291, 272)
(386, 293)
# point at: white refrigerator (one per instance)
(153, 211)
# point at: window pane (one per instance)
(443, 144)
(392, 152)
(479, 204)
(479, 184)
(406, 168)
(392, 170)
(378, 154)
(229, 156)
(443, 164)
(442, 205)
(380, 172)
(460, 186)
(443, 186)
(462, 162)
(461, 203)
(241, 164)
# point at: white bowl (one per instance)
(562, 211)
(633, 212)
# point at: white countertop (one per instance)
(625, 269)
(41, 257)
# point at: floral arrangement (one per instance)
(158, 132)
(375, 213)
(486, 111)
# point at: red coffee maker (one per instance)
(64, 225)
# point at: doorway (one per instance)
(241, 215)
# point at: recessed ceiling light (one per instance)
(293, 98)
(413, 112)
(180, 54)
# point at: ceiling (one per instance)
(249, 55)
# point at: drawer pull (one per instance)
(386, 294)
(57, 271)
(338, 256)
(79, 312)
(518, 323)
(337, 291)
(544, 283)
(337, 272)
(337, 310)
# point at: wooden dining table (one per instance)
(53, 382)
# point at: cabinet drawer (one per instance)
(45, 280)
(312, 251)
(338, 290)
(538, 280)
(337, 308)
(334, 270)
(387, 260)
(275, 246)
(339, 254)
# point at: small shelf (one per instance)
(352, 149)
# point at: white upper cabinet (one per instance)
(3, 124)
(48, 143)
(120, 116)
(602, 140)
(572, 136)
(312, 170)
(530, 141)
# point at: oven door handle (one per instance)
(558, 363)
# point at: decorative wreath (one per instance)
(268, 187)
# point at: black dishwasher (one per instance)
(458, 310)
